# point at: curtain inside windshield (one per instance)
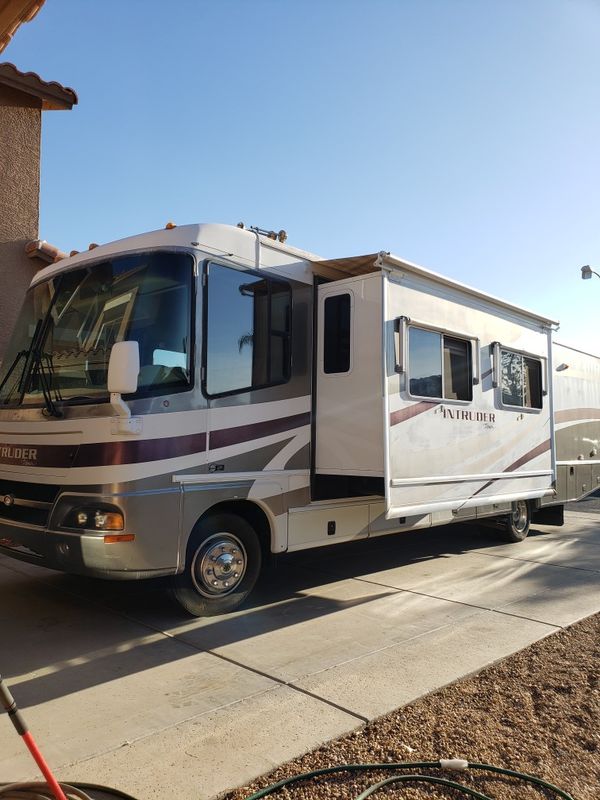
(142, 297)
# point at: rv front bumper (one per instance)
(80, 553)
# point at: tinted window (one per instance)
(336, 334)
(247, 331)
(437, 362)
(458, 381)
(521, 380)
(425, 362)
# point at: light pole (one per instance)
(587, 272)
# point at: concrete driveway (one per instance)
(119, 689)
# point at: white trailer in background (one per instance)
(183, 402)
(576, 383)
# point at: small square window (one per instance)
(520, 380)
(439, 365)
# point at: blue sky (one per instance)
(463, 135)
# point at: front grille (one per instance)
(28, 503)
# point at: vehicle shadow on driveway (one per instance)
(63, 634)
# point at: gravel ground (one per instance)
(537, 711)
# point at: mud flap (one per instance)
(549, 515)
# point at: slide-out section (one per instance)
(468, 411)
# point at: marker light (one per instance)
(93, 246)
(170, 225)
(115, 538)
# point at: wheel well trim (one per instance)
(254, 512)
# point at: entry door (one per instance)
(349, 424)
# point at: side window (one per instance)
(439, 365)
(336, 334)
(520, 379)
(247, 330)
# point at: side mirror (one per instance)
(123, 372)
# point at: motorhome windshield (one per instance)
(67, 326)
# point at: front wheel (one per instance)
(222, 565)
(518, 522)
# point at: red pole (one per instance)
(7, 700)
(44, 768)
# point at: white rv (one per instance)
(185, 402)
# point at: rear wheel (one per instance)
(222, 565)
(518, 522)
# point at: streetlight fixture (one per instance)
(587, 272)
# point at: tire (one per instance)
(223, 561)
(517, 523)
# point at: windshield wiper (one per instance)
(34, 365)
(21, 355)
(44, 373)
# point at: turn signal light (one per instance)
(114, 538)
(108, 521)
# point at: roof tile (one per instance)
(53, 95)
(14, 13)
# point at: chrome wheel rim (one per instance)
(520, 516)
(219, 565)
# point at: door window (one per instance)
(336, 334)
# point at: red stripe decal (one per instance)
(537, 451)
(98, 454)
(256, 430)
(37, 455)
(412, 411)
(135, 452)
(138, 451)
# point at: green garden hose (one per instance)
(453, 764)
(39, 791)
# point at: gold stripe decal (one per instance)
(576, 414)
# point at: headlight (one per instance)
(95, 518)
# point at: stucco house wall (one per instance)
(23, 98)
(20, 133)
